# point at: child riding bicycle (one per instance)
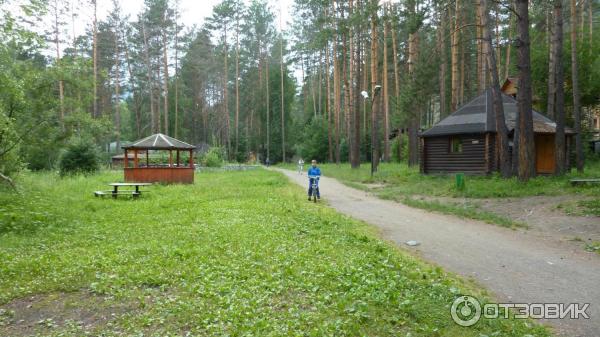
(314, 174)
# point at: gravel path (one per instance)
(515, 265)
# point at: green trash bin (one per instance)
(460, 181)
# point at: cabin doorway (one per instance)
(544, 153)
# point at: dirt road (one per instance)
(515, 265)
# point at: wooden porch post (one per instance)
(170, 158)
(487, 153)
(147, 159)
(135, 158)
(177, 158)
(125, 159)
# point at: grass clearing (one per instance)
(237, 253)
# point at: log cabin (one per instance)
(465, 141)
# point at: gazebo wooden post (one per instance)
(177, 158)
(147, 159)
(135, 158)
(191, 158)
(170, 158)
(125, 159)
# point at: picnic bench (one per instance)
(115, 192)
(575, 182)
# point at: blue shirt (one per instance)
(314, 171)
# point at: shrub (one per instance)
(396, 152)
(80, 156)
(213, 157)
(10, 162)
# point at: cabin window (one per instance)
(455, 145)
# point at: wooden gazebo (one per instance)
(145, 170)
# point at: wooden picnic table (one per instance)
(115, 192)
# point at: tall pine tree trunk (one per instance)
(414, 119)
(282, 89)
(443, 62)
(165, 84)
(267, 66)
(176, 131)
(591, 21)
(135, 93)
(158, 95)
(346, 87)
(576, 93)
(356, 59)
(558, 94)
(375, 88)
(61, 84)
(397, 88)
(454, 58)
(95, 59)
(480, 53)
(117, 93)
(337, 99)
(524, 132)
(501, 130)
(150, 83)
(226, 91)
(509, 47)
(328, 101)
(550, 108)
(320, 75)
(237, 88)
(386, 96)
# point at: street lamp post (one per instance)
(365, 95)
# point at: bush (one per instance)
(80, 156)
(213, 157)
(10, 163)
(395, 148)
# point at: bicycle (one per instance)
(314, 187)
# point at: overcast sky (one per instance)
(192, 11)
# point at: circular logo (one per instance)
(465, 310)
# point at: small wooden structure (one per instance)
(142, 170)
(465, 141)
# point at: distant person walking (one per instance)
(268, 162)
(300, 166)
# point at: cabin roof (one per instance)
(159, 141)
(477, 116)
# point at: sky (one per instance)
(192, 11)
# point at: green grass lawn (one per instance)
(235, 254)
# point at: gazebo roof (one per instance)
(477, 116)
(159, 141)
